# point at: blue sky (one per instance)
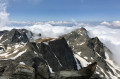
(64, 10)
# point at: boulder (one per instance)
(84, 73)
(43, 71)
(23, 72)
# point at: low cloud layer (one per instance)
(113, 23)
(109, 36)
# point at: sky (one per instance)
(64, 10)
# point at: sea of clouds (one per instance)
(107, 32)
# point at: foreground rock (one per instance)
(23, 72)
(84, 73)
(46, 56)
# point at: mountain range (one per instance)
(70, 56)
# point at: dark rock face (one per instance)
(18, 37)
(40, 59)
(43, 71)
(3, 32)
(47, 56)
(58, 54)
(97, 45)
(63, 53)
(2, 69)
(14, 36)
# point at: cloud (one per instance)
(110, 37)
(113, 23)
(20, 22)
(105, 23)
(116, 23)
(3, 14)
(34, 2)
(48, 30)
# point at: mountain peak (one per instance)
(69, 56)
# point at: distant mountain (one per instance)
(14, 36)
(72, 56)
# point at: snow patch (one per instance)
(4, 41)
(19, 54)
(112, 65)
(11, 53)
(1, 37)
(104, 73)
(22, 63)
(83, 62)
(86, 57)
(78, 65)
(50, 69)
(82, 43)
(79, 53)
(58, 60)
(35, 53)
(46, 43)
(112, 76)
(18, 45)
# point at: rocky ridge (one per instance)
(88, 50)
(49, 58)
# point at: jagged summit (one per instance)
(88, 50)
(69, 56)
(97, 45)
(15, 36)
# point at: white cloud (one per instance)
(20, 22)
(116, 23)
(3, 14)
(113, 23)
(105, 23)
(110, 37)
(47, 30)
